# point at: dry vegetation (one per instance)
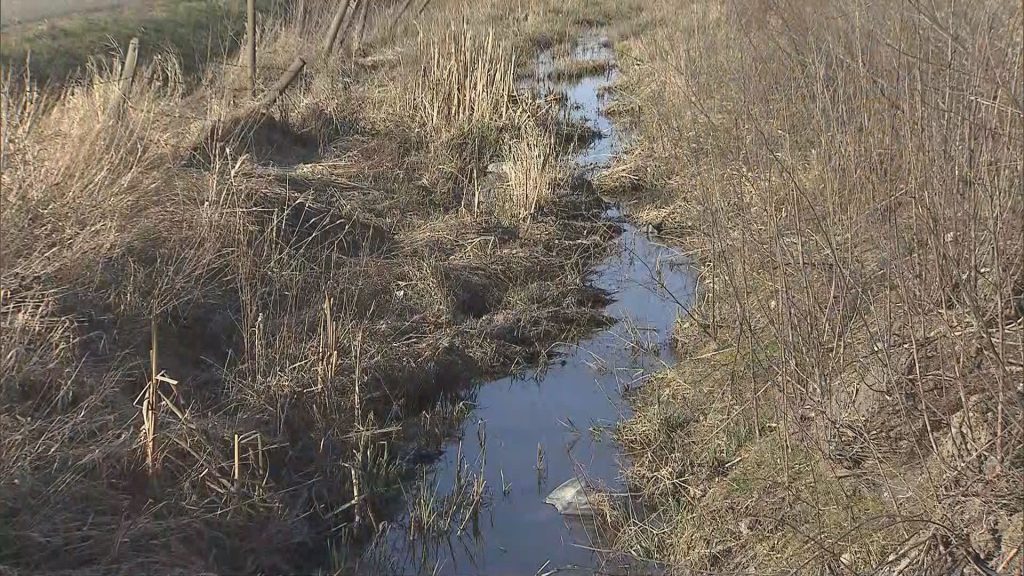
(307, 283)
(849, 176)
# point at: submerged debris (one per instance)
(571, 498)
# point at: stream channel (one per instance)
(562, 414)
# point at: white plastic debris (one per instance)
(571, 498)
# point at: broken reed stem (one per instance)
(259, 455)
(236, 472)
(149, 407)
(360, 450)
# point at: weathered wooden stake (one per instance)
(251, 47)
(283, 82)
(128, 72)
(124, 86)
(400, 12)
(222, 129)
(365, 7)
(332, 33)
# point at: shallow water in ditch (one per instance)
(566, 409)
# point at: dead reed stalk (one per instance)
(150, 407)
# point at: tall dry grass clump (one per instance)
(530, 173)
(849, 176)
(468, 78)
(468, 108)
(92, 246)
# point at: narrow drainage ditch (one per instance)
(536, 450)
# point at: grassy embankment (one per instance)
(194, 32)
(849, 178)
(310, 287)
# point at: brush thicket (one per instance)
(849, 177)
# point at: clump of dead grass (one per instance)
(851, 399)
(530, 173)
(468, 79)
(307, 287)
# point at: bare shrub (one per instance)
(849, 176)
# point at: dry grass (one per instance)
(531, 174)
(313, 282)
(849, 176)
(467, 80)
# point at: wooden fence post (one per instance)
(365, 7)
(400, 12)
(332, 33)
(124, 85)
(283, 83)
(128, 72)
(251, 48)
